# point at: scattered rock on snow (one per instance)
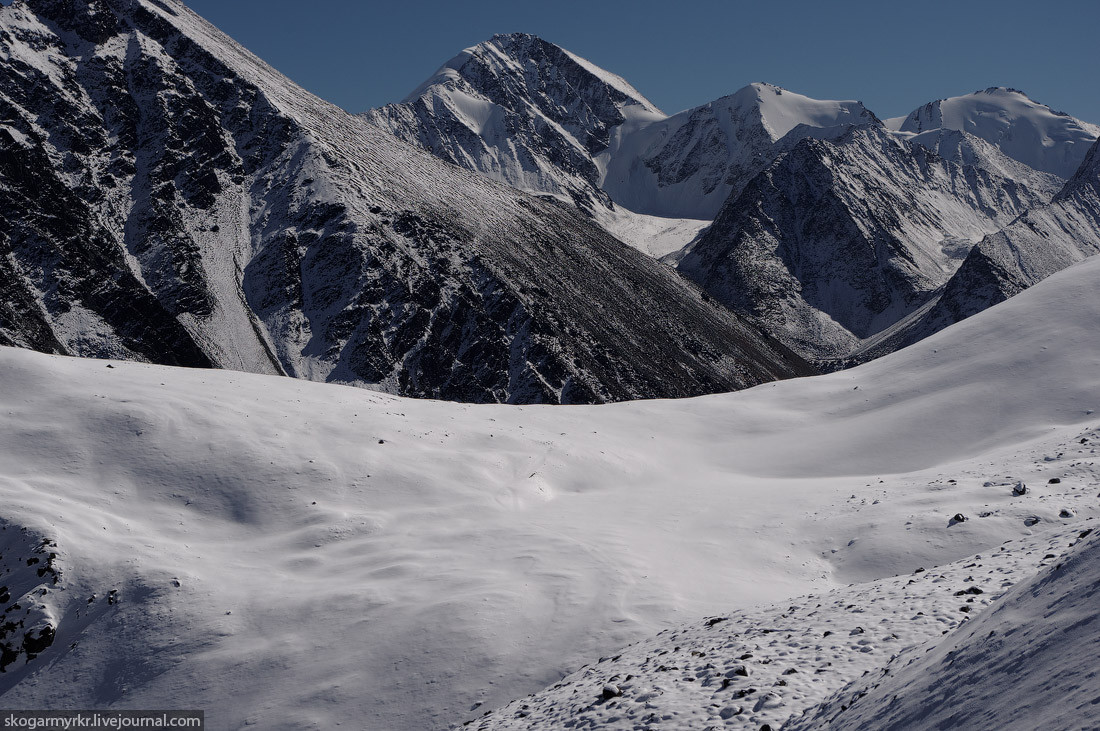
(971, 590)
(738, 670)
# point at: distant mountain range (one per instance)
(166, 196)
(828, 227)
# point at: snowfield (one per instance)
(286, 554)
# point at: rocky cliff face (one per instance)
(837, 240)
(168, 197)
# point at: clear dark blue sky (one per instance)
(893, 56)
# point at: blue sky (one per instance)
(890, 55)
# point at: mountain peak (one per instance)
(523, 111)
(1001, 90)
(529, 59)
(1022, 128)
(517, 36)
(782, 110)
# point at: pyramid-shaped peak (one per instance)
(520, 63)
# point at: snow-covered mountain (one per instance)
(832, 260)
(1024, 130)
(523, 111)
(166, 196)
(526, 112)
(839, 239)
(688, 165)
(1042, 241)
(284, 554)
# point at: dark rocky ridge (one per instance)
(168, 197)
(1040, 242)
(839, 239)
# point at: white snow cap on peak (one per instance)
(1022, 128)
(783, 110)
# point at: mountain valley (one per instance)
(521, 403)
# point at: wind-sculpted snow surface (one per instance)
(286, 554)
(839, 239)
(166, 196)
(759, 667)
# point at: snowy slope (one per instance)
(166, 196)
(966, 149)
(1023, 129)
(1028, 663)
(744, 669)
(839, 239)
(294, 555)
